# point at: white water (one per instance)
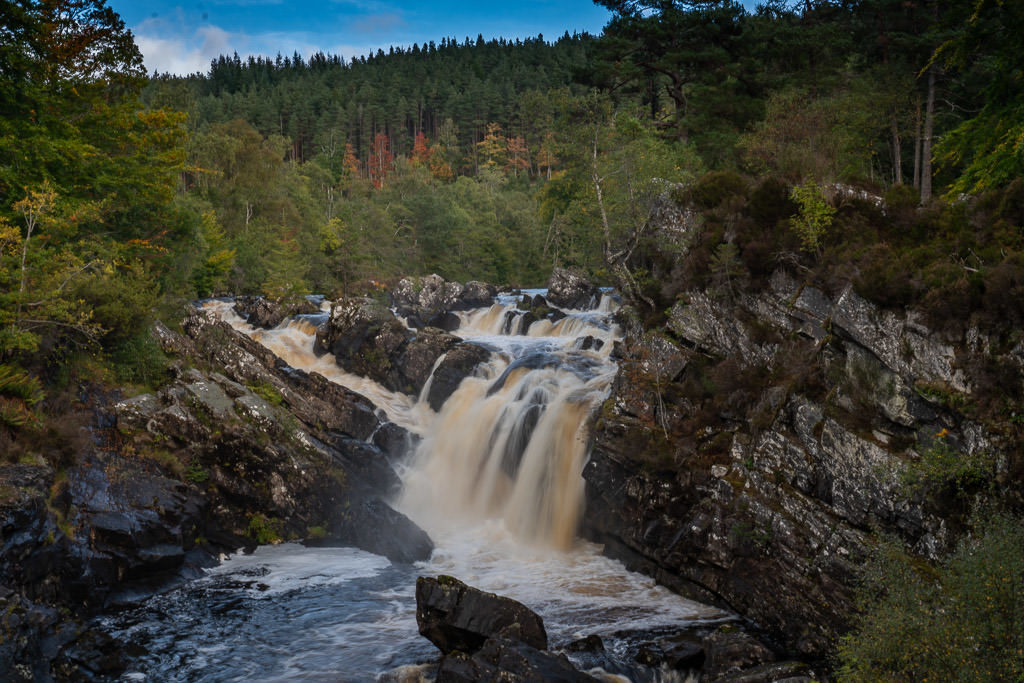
(496, 482)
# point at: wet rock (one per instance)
(454, 616)
(98, 654)
(459, 363)
(367, 340)
(730, 651)
(432, 300)
(478, 294)
(238, 448)
(259, 311)
(567, 289)
(508, 660)
(364, 337)
(683, 652)
(425, 296)
(394, 442)
(591, 643)
(29, 639)
(589, 343)
(376, 527)
(417, 361)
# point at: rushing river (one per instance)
(495, 481)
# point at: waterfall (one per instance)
(511, 442)
(495, 481)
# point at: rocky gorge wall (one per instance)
(236, 449)
(756, 444)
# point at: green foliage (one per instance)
(268, 393)
(197, 474)
(217, 257)
(962, 620)
(814, 217)
(948, 473)
(139, 361)
(712, 189)
(263, 530)
(19, 392)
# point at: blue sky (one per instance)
(182, 37)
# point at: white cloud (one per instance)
(169, 55)
(168, 46)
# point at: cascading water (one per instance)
(496, 482)
(510, 442)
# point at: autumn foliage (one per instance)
(381, 160)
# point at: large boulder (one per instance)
(504, 659)
(376, 527)
(485, 636)
(366, 339)
(259, 311)
(458, 363)
(454, 616)
(567, 289)
(430, 300)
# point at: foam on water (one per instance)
(290, 566)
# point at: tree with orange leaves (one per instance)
(381, 160)
(421, 151)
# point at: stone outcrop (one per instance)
(484, 636)
(259, 311)
(456, 365)
(428, 301)
(753, 444)
(454, 616)
(366, 339)
(567, 289)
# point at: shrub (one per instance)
(714, 188)
(263, 530)
(770, 202)
(962, 620)
(19, 392)
(814, 216)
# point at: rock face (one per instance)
(260, 311)
(485, 636)
(366, 339)
(753, 444)
(457, 364)
(237, 449)
(570, 290)
(427, 301)
(454, 616)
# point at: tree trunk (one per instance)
(917, 144)
(926, 146)
(897, 153)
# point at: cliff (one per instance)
(760, 440)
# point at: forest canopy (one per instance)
(122, 194)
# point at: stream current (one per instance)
(495, 480)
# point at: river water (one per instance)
(496, 482)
